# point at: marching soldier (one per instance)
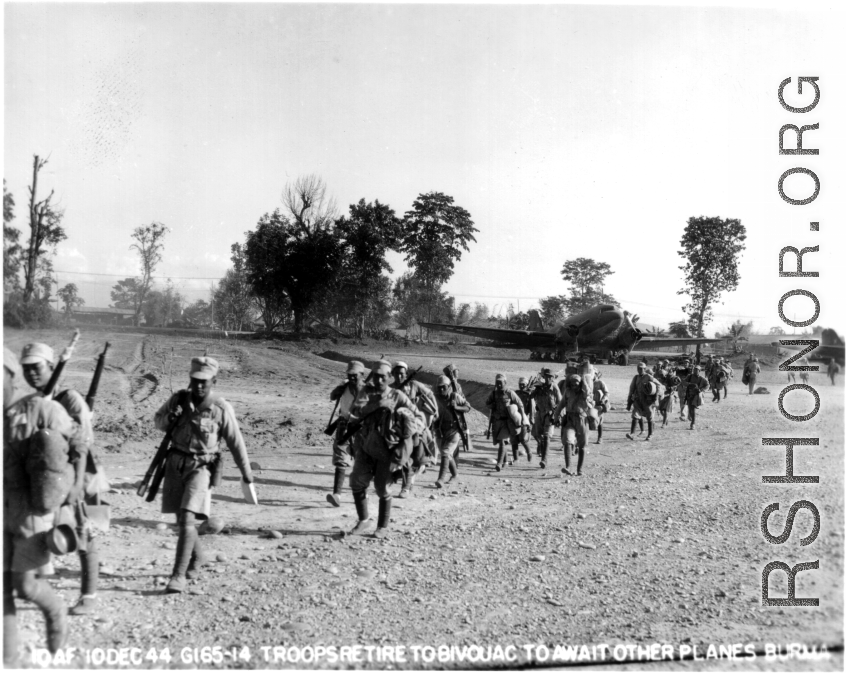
(387, 423)
(718, 378)
(601, 403)
(546, 397)
(671, 384)
(424, 449)
(199, 420)
(695, 385)
(446, 428)
(576, 403)
(751, 371)
(507, 418)
(804, 376)
(832, 370)
(38, 363)
(452, 373)
(525, 396)
(32, 425)
(682, 373)
(643, 392)
(347, 395)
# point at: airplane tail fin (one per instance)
(535, 323)
(829, 337)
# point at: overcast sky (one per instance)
(566, 131)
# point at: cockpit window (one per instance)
(605, 308)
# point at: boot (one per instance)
(334, 497)
(640, 426)
(580, 461)
(89, 563)
(567, 468)
(404, 491)
(599, 434)
(528, 452)
(649, 430)
(10, 623)
(184, 550)
(198, 559)
(629, 435)
(360, 498)
(384, 518)
(501, 457)
(442, 472)
(543, 444)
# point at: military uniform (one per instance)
(601, 404)
(718, 379)
(832, 370)
(525, 397)
(347, 395)
(503, 426)
(643, 394)
(545, 397)
(24, 527)
(575, 405)
(682, 373)
(424, 450)
(447, 430)
(751, 371)
(671, 384)
(695, 385)
(198, 430)
(388, 425)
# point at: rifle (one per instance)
(330, 428)
(353, 428)
(95, 381)
(488, 431)
(60, 366)
(459, 416)
(156, 472)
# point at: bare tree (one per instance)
(45, 231)
(306, 202)
(149, 246)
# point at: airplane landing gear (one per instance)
(623, 359)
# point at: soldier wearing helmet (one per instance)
(525, 395)
(682, 373)
(576, 404)
(446, 428)
(601, 403)
(547, 398)
(508, 418)
(643, 394)
(751, 371)
(345, 395)
(695, 384)
(425, 449)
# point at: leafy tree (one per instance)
(552, 310)
(463, 314)
(363, 293)
(11, 244)
(71, 299)
(163, 307)
(284, 261)
(711, 247)
(518, 321)
(587, 278)
(198, 314)
(46, 231)
(480, 311)
(233, 298)
(148, 244)
(125, 294)
(776, 331)
(435, 233)
(414, 303)
(679, 329)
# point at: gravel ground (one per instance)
(658, 543)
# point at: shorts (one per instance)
(366, 468)
(448, 445)
(24, 553)
(640, 409)
(186, 486)
(503, 430)
(341, 453)
(543, 426)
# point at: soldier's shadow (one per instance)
(137, 523)
(259, 481)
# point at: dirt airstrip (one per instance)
(658, 542)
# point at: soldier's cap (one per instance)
(443, 381)
(696, 368)
(36, 352)
(574, 379)
(204, 368)
(381, 367)
(500, 377)
(10, 362)
(523, 379)
(642, 365)
(400, 365)
(546, 371)
(355, 367)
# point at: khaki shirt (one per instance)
(204, 427)
(546, 398)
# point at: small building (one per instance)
(103, 316)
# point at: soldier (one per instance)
(199, 419)
(804, 376)
(347, 394)
(643, 393)
(708, 366)
(387, 423)
(424, 449)
(452, 374)
(751, 371)
(38, 363)
(832, 370)
(694, 384)
(666, 403)
(525, 396)
(446, 428)
(576, 404)
(601, 403)
(682, 373)
(718, 380)
(506, 424)
(31, 424)
(546, 397)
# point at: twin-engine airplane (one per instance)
(831, 347)
(604, 331)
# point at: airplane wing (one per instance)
(520, 338)
(646, 343)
